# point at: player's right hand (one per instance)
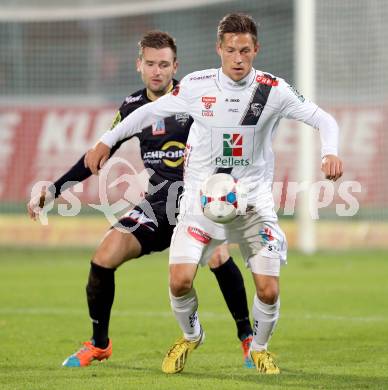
(332, 167)
(96, 157)
(37, 202)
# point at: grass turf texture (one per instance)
(332, 333)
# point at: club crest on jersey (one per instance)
(182, 118)
(208, 102)
(159, 128)
(256, 109)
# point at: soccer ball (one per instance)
(223, 198)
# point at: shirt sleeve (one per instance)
(78, 172)
(174, 102)
(293, 105)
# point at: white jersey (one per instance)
(234, 124)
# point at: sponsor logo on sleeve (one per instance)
(182, 118)
(159, 128)
(297, 93)
(261, 79)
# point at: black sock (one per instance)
(232, 286)
(100, 292)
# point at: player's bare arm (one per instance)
(96, 157)
(332, 167)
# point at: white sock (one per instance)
(265, 318)
(185, 311)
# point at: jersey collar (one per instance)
(228, 83)
(170, 88)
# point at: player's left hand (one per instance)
(38, 201)
(332, 167)
(96, 157)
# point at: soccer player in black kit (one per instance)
(157, 65)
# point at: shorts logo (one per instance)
(159, 128)
(199, 235)
(232, 145)
(267, 239)
(140, 218)
(266, 234)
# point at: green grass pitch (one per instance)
(333, 331)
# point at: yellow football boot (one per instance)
(264, 362)
(176, 356)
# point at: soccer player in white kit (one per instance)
(236, 110)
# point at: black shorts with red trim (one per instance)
(150, 223)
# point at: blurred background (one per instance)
(66, 66)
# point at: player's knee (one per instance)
(219, 256)
(115, 249)
(268, 293)
(102, 259)
(108, 256)
(180, 285)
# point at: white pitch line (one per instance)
(37, 311)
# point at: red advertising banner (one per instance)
(42, 142)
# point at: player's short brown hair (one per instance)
(238, 24)
(157, 40)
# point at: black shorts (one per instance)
(150, 223)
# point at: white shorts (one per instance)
(190, 244)
(262, 243)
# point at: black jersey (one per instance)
(162, 145)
